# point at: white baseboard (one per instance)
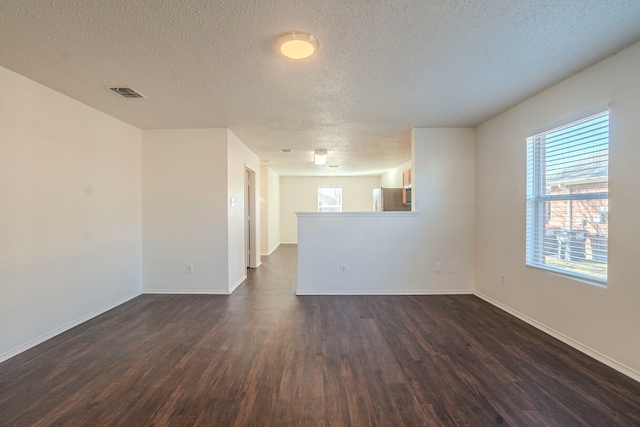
(238, 283)
(270, 251)
(195, 291)
(388, 292)
(624, 369)
(57, 331)
(184, 292)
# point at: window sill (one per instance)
(593, 281)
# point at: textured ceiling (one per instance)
(383, 67)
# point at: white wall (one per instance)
(444, 192)
(605, 322)
(300, 194)
(396, 252)
(393, 178)
(269, 210)
(188, 179)
(239, 158)
(69, 216)
(184, 210)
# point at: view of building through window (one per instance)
(567, 198)
(329, 199)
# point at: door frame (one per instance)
(250, 240)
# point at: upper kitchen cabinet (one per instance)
(406, 178)
(406, 187)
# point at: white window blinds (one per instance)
(567, 198)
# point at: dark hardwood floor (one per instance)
(264, 357)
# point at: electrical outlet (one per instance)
(189, 268)
(503, 278)
(343, 269)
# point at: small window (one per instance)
(329, 199)
(568, 198)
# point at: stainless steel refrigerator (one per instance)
(388, 199)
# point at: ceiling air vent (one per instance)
(126, 92)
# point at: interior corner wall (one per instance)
(393, 178)
(184, 210)
(269, 210)
(70, 242)
(240, 158)
(264, 210)
(602, 322)
(300, 194)
(274, 211)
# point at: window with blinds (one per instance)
(567, 198)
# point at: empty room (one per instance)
(296, 213)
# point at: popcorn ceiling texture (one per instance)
(383, 67)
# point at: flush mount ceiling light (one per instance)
(297, 45)
(320, 157)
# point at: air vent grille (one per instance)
(126, 92)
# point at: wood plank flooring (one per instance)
(264, 357)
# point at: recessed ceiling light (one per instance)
(297, 45)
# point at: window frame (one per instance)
(539, 202)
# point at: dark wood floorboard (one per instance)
(264, 357)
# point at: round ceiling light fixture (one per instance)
(297, 45)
